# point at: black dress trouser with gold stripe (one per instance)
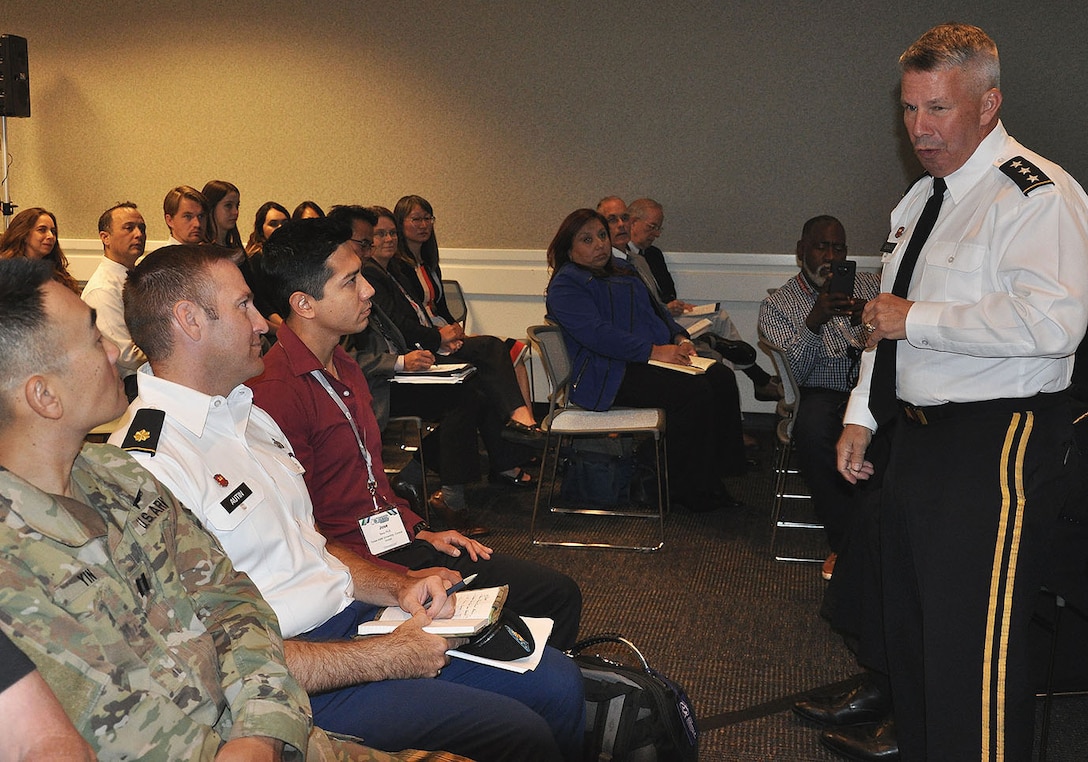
(970, 505)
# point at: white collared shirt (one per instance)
(228, 462)
(1000, 290)
(103, 293)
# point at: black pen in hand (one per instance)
(454, 588)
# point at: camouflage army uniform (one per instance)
(155, 646)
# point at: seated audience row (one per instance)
(109, 585)
(189, 308)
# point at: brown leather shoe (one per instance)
(458, 520)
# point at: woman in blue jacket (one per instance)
(612, 329)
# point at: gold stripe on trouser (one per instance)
(1003, 574)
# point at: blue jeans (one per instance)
(479, 712)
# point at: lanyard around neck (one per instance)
(371, 482)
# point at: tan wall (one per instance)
(743, 118)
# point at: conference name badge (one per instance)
(384, 531)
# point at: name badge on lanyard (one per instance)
(383, 528)
(384, 531)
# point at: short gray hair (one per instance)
(640, 207)
(955, 45)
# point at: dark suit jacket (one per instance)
(371, 350)
(656, 259)
(398, 309)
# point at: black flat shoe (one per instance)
(519, 433)
(522, 479)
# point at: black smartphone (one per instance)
(842, 277)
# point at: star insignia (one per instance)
(142, 435)
(1025, 174)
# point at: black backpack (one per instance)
(633, 713)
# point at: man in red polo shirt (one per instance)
(336, 437)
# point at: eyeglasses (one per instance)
(428, 219)
(838, 248)
(654, 227)
(364, 243)
(614, 218)
(385, 234)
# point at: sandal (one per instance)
(521, 478)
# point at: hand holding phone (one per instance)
(842, 277)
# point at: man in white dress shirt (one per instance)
(124, 235)
(980, 338)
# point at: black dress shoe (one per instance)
(458, 520)
(410, 492)
(866, 743)
(865, 702)
(519, 433)
(770, 391)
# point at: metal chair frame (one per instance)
(455, 300)
(566, 421)
(784, 470)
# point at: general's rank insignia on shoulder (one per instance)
(1026, 175)
(143, 433)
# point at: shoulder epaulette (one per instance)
(1026, 175)
(143, 433)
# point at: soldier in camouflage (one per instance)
(156, 647)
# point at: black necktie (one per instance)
(882, 386)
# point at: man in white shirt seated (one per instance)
(124, 235)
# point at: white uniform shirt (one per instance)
(103, 292)
(216, 452)
(1000, 290)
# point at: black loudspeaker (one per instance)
(14, 76)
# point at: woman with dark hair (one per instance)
(270, 216)
(447, 342)
(612, 330)
(33, 234)
(224, 201)
(306, 210)
(418, 270)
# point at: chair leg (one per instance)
(661, 463)
(542, 478)
(1059, 605)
